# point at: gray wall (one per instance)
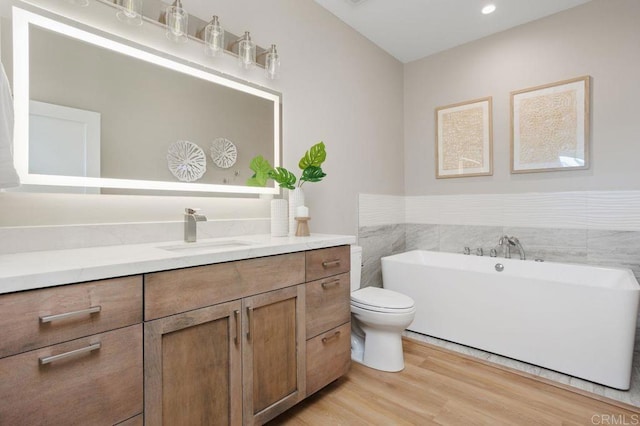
(599, 38)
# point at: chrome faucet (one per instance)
(190, 220)
(507, 243)
(513, 241)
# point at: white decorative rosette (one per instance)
(186, 161)
(223, 153)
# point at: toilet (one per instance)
(378, 317)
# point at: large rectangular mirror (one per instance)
(93, 112)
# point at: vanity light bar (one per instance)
(153, 11)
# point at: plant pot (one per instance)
(296, 199)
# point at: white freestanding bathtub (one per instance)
(579, 320)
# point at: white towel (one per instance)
(8, 176)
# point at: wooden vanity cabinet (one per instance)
(230, 343)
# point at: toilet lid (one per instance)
(381, 298)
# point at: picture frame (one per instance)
(464, 139)
(550, 127)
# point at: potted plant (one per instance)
(311, 166)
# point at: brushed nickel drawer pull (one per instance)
(236, 314)
(331, 283)
(50, 359)
(334, 336)
(249, 321)
(330, 263)
(88, 311)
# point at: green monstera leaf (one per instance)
(284, 177)
(314, 157)
(309, 164)
(261, 169)
(312, 174)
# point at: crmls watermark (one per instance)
(615, 419)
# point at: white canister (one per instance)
(296, 199)
(279, 218)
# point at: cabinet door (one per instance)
(192, 367)
(273, 353)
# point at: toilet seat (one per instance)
(382, 300)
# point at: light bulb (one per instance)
(246, 52)
(272, 63)
(177, 20)
(213, 38)
(130, 12)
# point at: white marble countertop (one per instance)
(31, 270)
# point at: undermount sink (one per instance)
(205, 246)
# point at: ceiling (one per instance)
(413, 29)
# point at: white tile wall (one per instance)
(613, 210)
(375, 210)
(604, 210)
(546, 210)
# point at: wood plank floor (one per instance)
(441, 387)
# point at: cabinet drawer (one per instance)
(90, 387)
(35, 319)
(171, 292)
(328, 357)
(327, 262)
(327, 304)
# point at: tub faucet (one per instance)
(190, 220)
(513, 241)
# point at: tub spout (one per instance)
(513, 241)
(507, 243)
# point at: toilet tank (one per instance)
(356, 267)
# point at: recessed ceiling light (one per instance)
(490, 8)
